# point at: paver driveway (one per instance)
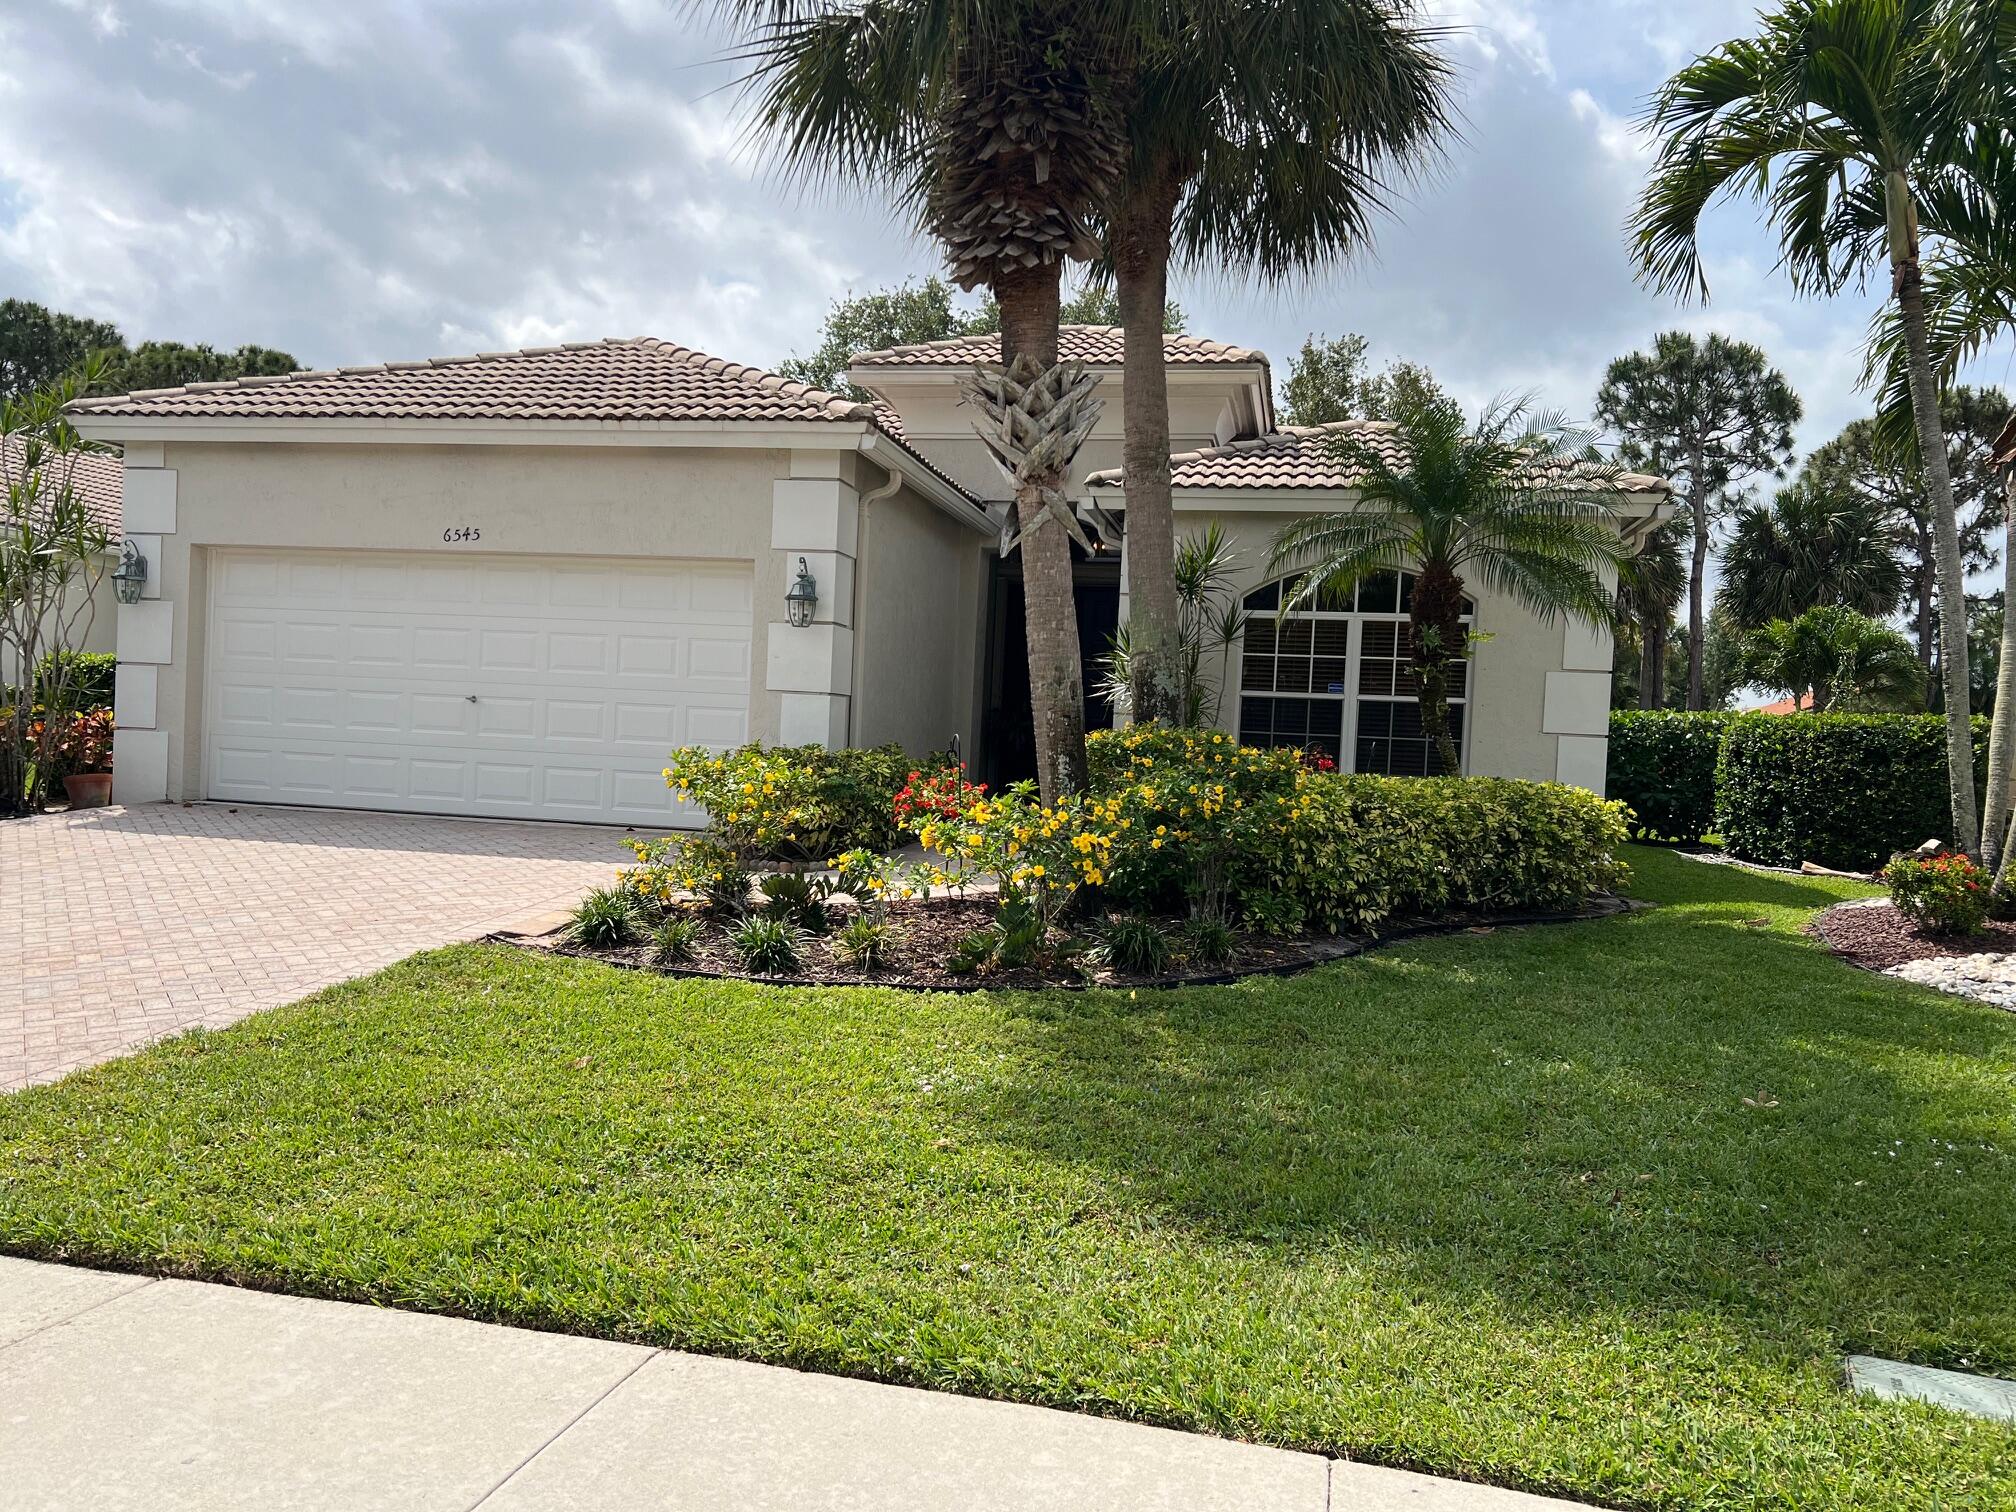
(118, 926)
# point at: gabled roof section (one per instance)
(1096, 345)
(637, 379)
(1299, 456)
(98, 478)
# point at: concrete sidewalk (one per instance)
(124, 1392)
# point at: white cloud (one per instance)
(372, 181)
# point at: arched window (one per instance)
(1337, 677)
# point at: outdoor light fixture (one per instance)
(803, 597)
(130, 576)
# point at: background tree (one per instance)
(1706, 414)
(919, 311)
(1880, 465)
(996, 126)
(170, 364)
(1839, 660)
(39, 345)
(1330, 380)
(1810, 545)
(1262, 134)
(1649, 585)
(1838, 116)
(1513, 505)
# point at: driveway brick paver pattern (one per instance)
(121, 925)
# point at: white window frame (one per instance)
(1355, 621)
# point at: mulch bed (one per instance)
(929, 931)
(1877, 936)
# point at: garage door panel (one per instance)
(348, 680)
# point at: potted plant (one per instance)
(85, 749)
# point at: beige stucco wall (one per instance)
(917, 627)
(191, 501)
(1539, 704)
(587, 501)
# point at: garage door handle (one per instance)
(471, 697)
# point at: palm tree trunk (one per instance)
(1951, 577)
(1995, 818)
(1652, 663)
(1925, 627)
(1140, 244)
(1029, 300)
(1436, 631)
(1697, 623)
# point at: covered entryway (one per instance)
(442, 683)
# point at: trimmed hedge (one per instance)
(91, 677)
(1358, 850)
(1662, 767)
(1845, 790)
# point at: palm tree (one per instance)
(1649, 585)
(1970, 300)
(1838, 116)
(997, 127)
(1837, 659)
(1516, 503)
(1258, 133)
(1809, 546)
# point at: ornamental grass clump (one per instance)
(1946, 894)
(606, 918)
(675, 939)
(768, 944)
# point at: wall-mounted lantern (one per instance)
(803, 597)
(130, 576)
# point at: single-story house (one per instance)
(97, 478)
(506, 585)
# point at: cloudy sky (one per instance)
(379, 180)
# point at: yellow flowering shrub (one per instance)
(1041, 854)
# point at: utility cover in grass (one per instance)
(1984, 1396)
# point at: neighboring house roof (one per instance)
(639, 379)
(1101, 346)
(1296, 456)
(99, 479)
(1786, 705)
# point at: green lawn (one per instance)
(1491, 1205)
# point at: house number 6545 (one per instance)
(456, 534)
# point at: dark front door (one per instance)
(1008, 734)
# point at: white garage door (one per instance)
(504, 686)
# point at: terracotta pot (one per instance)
(88, 789)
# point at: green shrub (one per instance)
(1662, 767)
(1136, 945)
(1946, 894)
(864, 942)
(606, 918)
(91, 677)
(1843, 790)
(768, 944)
(675, 939)
(1278, 914)
(1354, 851)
